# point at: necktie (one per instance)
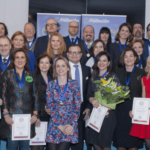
(77, 74)
(88, 45)
(72, 40)
(4, 61)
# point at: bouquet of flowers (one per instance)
(109, 93)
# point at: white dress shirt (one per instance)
(89, 43)
(5, 58)
(73, 76)
(70, 37)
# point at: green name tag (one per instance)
(29, 79)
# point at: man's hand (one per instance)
(86, 112)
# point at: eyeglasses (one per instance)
(74, 52)
(75, 27)
(4, 46)
(51, 24)
(139, 28)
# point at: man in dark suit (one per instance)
(41, 43)
(29, 31)
(88, 35)
(74, 55)
(138, 31)
(5, 46)
(146, 51)
(72, 38)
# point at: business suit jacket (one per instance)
(33, 46)
(40, 46)
(146, 50)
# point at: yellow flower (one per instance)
(104, 81)
(118, 87)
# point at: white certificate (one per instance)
(40, 137)
(97, 117)
(21, 127)
(141, 111)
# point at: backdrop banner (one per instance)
(98, 21)
(62, 19)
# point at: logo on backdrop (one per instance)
(60, 19)
(114, 29)
(95, 20)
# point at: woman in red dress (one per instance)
(138, 130)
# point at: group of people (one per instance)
(62, 71)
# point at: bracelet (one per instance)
(6, 112)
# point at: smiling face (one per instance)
(44, 64)
(5, 47)
(138, 48)
(104, 37)
(18, 41)
(29, 31)
(55, 42)
(61, 68)
(129, 58)
(98, 48)
(124, 33)
(20, 60)
(103, 63)
(88, 34)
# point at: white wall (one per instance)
(14, 13)
(147, 14)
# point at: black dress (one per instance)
(105, 136)
(41, 86)
(114, 51)
(123, 127)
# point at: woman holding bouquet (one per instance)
(131, 76)
(102, 69)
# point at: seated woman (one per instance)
(102, 69)
(63, 99)
(56, 46)
(43, 75)
(19, 97)
(138, 46)
(19, 40)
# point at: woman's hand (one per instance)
(33, 119)
(47, 110)
(1, 101)
(95, 103)
(130, 114)
(38, 122)
(62, 129)
(69, 129)
(8, 120)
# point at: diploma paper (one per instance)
(141, 111)
(97, 117)
(21, 127)
(40, 131)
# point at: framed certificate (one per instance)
(21, 127)
(141, 111)
(97, 117)
(40, 131)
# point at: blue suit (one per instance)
(146, 50)
(32, 61)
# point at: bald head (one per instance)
(73, 28)
(52, 26)
(88, 34)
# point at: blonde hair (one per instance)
(62, 48)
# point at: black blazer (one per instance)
(80, 43)
(40, 46)
(136, 76)
(86, 75)
(146, 50)
(41, 87)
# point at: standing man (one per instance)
(146, 51)
(88, 36)
(29, 31)
(82, 74)
(5, 46)
(41, 43)
(138, 31)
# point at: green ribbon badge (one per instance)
(29, 79)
